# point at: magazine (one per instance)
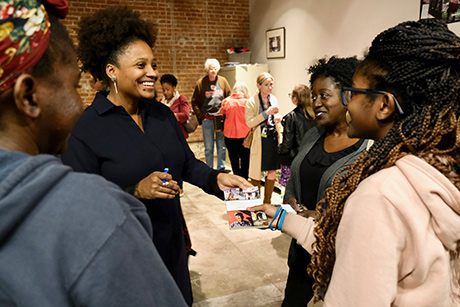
(237, 202)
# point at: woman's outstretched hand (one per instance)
(269, 210)
(229, 181)
(293, 203)
(305, 213)
(152, 187)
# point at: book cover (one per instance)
(237, 201)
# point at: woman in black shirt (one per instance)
(325, 149)
(130, 139)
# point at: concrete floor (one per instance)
(240, 267)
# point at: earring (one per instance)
(114, 80)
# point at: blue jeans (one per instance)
(208, 139)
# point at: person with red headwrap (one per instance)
(66, 238)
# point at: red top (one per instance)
(235, 122)
(181, 108)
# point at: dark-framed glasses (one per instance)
(347, 94)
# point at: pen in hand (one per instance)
(165, 183)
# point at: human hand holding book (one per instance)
(240, 208)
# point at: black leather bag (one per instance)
(219, 123)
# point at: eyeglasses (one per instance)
(347, 94)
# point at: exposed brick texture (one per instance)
(189, 31)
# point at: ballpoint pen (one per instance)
(164, 180)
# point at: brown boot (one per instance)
(255, 183)
(268, 187)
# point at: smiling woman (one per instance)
(72, 223)
(129, 138)
(324, 150)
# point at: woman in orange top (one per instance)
(235, 128)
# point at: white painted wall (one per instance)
(318, 28)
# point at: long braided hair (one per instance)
(418, 62)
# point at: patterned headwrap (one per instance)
(24, 35)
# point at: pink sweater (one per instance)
(393, 242)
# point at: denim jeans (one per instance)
(208, 139)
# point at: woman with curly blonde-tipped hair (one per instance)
(324, 150)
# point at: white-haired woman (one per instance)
(235, 128)
(262, 114)
(206, 102)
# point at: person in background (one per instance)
(181, 109)
(207, 99)
(176, 102)
(97, 85)
(295, 124)
(67, 238)
(390, 235)
(325, 149)
(235, 128)
(262, 114)
(132, 141)
(452, 8)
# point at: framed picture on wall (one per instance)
(446, 10)
(275, 42)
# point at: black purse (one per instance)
(219, 123)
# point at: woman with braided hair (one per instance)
(390, 235)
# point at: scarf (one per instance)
(24, 35)
(171, 102)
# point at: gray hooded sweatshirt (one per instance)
(71, 239)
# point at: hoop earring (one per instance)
(114, 80)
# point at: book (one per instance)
(237, 201)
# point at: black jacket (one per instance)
(295, 125)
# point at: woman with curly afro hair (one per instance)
(390, 235)
(324, 150)
(131, 139)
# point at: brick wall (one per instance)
(189, 31)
